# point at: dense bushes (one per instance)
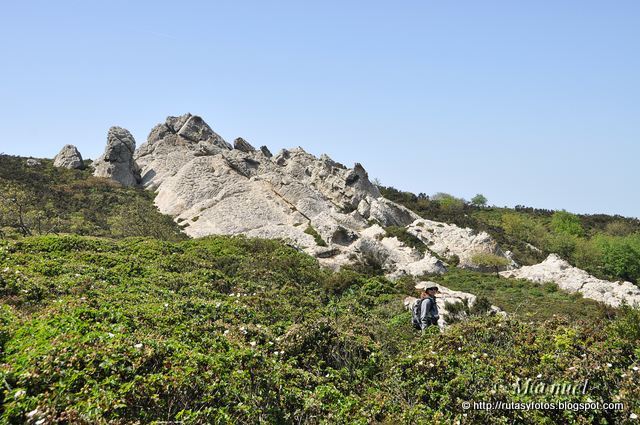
(236, 330)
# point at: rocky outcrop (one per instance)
(117, 162)
(242, 145)
(572, 279)
(446, 296)
(316, 204)
(69, 157)
(448, 240)
(173, 144)
(32, 162)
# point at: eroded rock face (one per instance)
(117, 162)
(573, 279)
(448, 240)
(330, 211)
(69, 157)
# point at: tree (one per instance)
(564, 222)
(487, 260)
(448, 202)
(479, 200)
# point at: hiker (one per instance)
(425, 310)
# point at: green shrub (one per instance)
(316, 236)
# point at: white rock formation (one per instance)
(214, 188)
(117, 162)
(572, 279)
(448, 240)
(445, 296)
(69, 157)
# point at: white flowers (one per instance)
(252, 343)
(32, 413)
(110, 335)
(635, 368)
(633, 416)
(609, 365)
(539, 376)
(225, 332)
(19, 394)
(138, 346)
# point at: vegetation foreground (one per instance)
(236, 330)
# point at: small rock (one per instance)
(69, 157)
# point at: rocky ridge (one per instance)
(572, 279)
(326, 209)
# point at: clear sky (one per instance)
(528, 102)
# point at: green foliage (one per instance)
(45, 199)
(620, 256)
(238, 330)
(316, 236)
(479, 200)
(486, 260)
(449, 202)
(525, 299)
(457, 312)
(565, 223)
(603, 245)
(405, 237)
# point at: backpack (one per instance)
(415, 313)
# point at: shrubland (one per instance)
(237, 330)
(108, 314)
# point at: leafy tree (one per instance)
(620, 256)
(479, 200)
(563, 222)
(523, 227)
(449, 202)
(619, 228)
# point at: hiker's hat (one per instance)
(427, 286)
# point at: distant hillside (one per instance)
(606, 246)
(40, 199)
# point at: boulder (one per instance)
(242, 145)
(117, 162)
(69, 157)
(32, 162)
(572, 279)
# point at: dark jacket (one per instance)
(429, 312)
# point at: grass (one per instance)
(527, 299)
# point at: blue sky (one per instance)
(527, 102)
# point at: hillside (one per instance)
(605, 246)
(41, 199)
(111, 313)
(237, 330)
